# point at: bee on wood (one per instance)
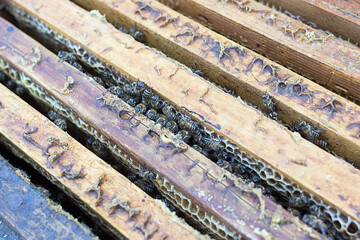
(145, 185)
(146, 96)
(315, 223)
(132, 102)
(151, 114)
(161, 120)
(118, 91)
(140, 108)
(170, 112)
(185, 122)
(213, 144)
(172, 126)
(321, 143)
(268, 103)
(139, 36)
(273, 116)
(185, 135)
(309, 131)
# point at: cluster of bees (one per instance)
(146, 102)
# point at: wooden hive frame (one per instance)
(201, 169)
(329, 61)
(163, 154)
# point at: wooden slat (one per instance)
(32, 214)
(342, 18)
(29, 134)
(259, 137)
(200, 180)
(327, 60)
(250, 83)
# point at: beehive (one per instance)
(233, 144)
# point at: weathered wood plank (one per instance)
(342, 18)
(327, 60)
(196, 183)
(265, 146)
(32, 214)
(301, 100)
(85, 177)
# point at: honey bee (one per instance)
(129, 90)
(293, 211)
(132, 102)
(273, 115)
(161, 120)
(96, 146)
(139, 36)
(145, 185)
(151, 114)
(185, 135)
(298, 201)
(308, 130)
(197, 135)
(310, 133)
(185, 122)
(170, 112)
(20, 91)
(3, 77)
(61, 123)
(268, 103)
(67, 56)
(140, 108)
(315, 223)
(57, 119)
(224, 164)
(154, 102)
(146, 96)
(240, 169)
(118, 91)
(98, 80)
(200, 150)
(321, 143)
(133, 176)
(213, 144)
(139, 88)
(172, 126)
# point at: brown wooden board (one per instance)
(32, 214)
(261, 143)
(320, 56)
(248, 73)
(210, 194)
(342, 18)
